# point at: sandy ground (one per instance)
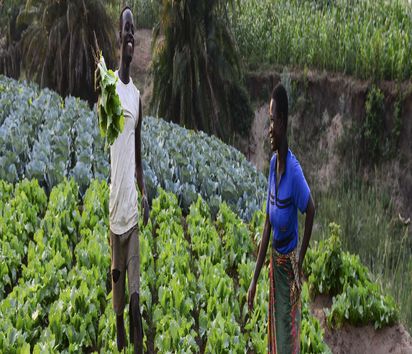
(348, 339)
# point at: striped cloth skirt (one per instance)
(284, 304)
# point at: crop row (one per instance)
(47, 138)
(195, 272)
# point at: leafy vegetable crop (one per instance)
(362, 304)
(47, 138)
(189, 164)
(193, 293)
(356, 299)
(109, 109)
(311, 331)
(195, 270)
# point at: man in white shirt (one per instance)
(126, 165)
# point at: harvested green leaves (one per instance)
(109, 108)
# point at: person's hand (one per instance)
(251, 295)
(145, 207)
(300, 273)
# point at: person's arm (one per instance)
(259, 263)
(310, 215)
(139, 166)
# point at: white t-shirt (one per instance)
(123, 206)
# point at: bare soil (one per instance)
(140, 66)
(258, 149)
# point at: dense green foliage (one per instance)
(363, 304)
(146, 12)
(369, 38)
(197, 76)
(193, 297)
(311, 330)
(194, 278)
(49, 259)
(342, 275)
(10, 48)
(188, 163)
(20, 212)
(207, 243)
(109, 108)
(44, 137)
(373, 127)
(57, 44)
(371, 229)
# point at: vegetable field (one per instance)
(367, 38)
(198, 250)
(194, 275)
(48, 138)
(45, 137)
(195, 271)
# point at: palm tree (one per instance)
(10, 51)
(197, 77)
(57, 44)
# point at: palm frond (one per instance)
(57, 44)
(195, 67)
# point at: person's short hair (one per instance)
(121, 17)
(280, 96)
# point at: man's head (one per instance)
(126, 35)
(278, 111)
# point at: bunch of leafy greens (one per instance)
(109, 108)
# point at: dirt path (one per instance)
(141, 64)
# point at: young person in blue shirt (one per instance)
(288, 191)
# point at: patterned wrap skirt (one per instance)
(284, 304)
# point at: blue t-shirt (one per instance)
(282, 205)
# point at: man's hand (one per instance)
(146, 212)
(251, 295)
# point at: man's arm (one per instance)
(310, 215)
(139, 166)
(260, 260)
